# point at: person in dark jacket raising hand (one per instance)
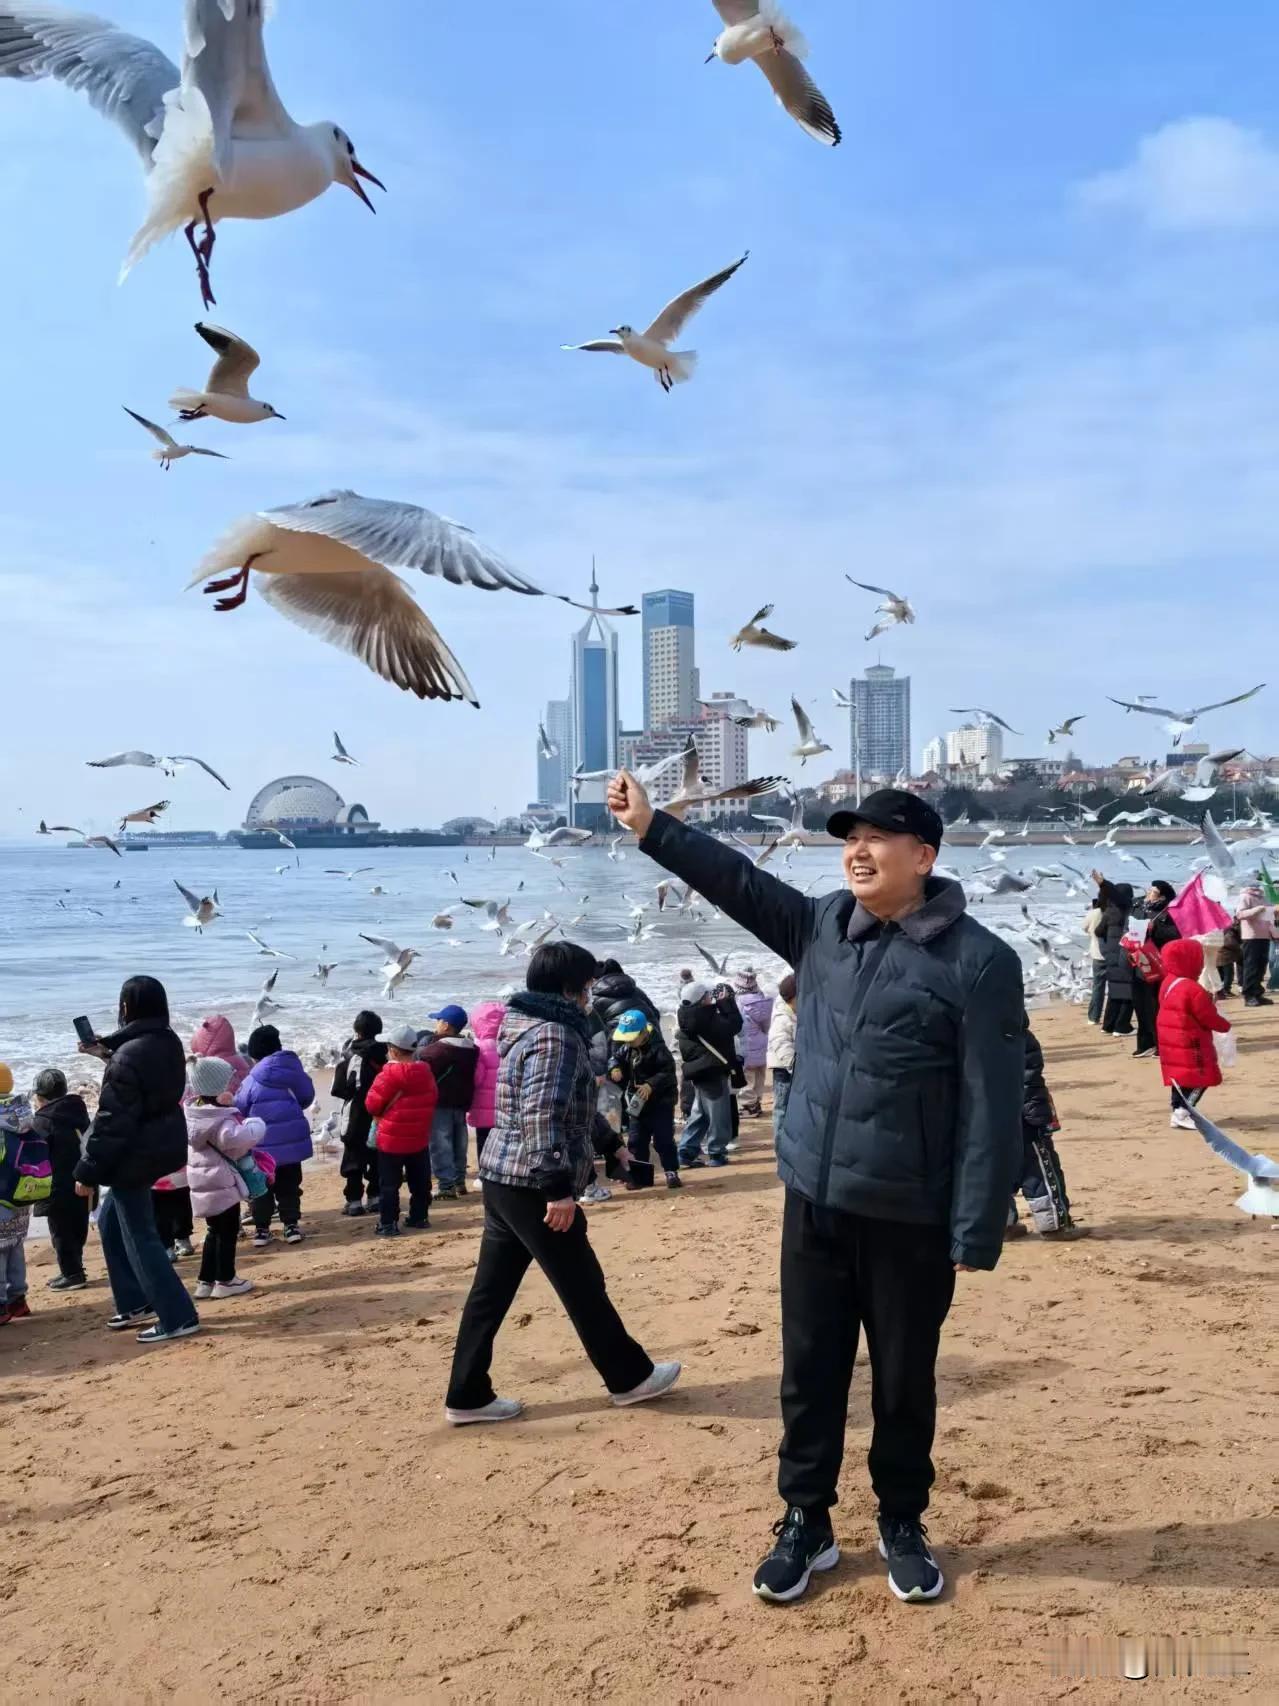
(138, 1135)
(900, 1149)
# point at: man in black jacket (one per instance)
(708, 1023)
(900, 1150)
(62, 1120)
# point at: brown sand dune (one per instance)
(276, 1510)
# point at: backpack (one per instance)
(26, 1172)
(1144, 958)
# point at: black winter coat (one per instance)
(362, 1059)
(1115, 900)
(139, 1132)
(707, 1039)
(1162, 928)
(907, 1096)
(616, 994)
(1037, 1106)
(62, 1124)
(654, 1065)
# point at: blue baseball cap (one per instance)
(453, 1015)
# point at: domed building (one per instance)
(306, 810)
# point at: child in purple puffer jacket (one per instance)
(277, 1092)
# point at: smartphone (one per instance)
(85, 1031)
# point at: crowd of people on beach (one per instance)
(909, 1104)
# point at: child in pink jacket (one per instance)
(486, 1022)
(217, 1137)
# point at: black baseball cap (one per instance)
(892, 809)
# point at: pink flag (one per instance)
(1194, 913)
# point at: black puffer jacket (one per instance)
(62, 1124)
(654, 1065)
(139, 1132)
(907, 1096)
(362, 1059)
(707, 1039)
(617, 993)
(1162, 928)
(1115, 901)
(1037, 1105)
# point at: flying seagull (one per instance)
(756, 29)
(987, 717)
(719, 967)
(170, 450)
(322, 971)
(359, 871)
(148, 761)
(645, 774)
(264, 1004)
(546, 748)
(1223, 860)
(894, 609)
(1065, 729)
(226, 395)
(810, 745)
(325, 564)
(755, 635)
(651, 348)
(265, 948)
(200, 910)
(148, 814)
(694, 790)
(1179, 723)
(1262, 1174)
(214, 138)
(793, 833)
(1205, 783)
(340, 754)
(758, 719)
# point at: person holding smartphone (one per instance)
(138, 1135)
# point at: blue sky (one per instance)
(1011, 349)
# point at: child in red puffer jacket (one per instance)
(1187, 1019)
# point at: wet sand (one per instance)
(275, 1510)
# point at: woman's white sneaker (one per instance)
(499, 1410)
(663, 1377)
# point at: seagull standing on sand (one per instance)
(754, 634)
(226, 396)
(759, 30)
(652, 348)
(170, 450)
(894, 609)
(326, 565)
(214, 138)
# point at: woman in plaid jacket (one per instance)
(538, 1156)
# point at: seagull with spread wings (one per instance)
(201, 910)
(226, 395)
(149, 761)
(695, 790)
(755, 634)
(147, 815)
(170, 450)
(652, 348)
(894, 609)
(986, 717)
(759, 30)
(810, 743)
(214, 138)
(326, 565)
(546, 747)
(266, 949)
(1179, 723)
(1065, 729)
(340, 754)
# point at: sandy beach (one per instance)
(276, 1510)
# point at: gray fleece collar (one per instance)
(944, 902)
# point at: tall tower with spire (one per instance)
(594, 712)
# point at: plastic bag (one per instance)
(1227, 1047)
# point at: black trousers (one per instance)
(1043, 1182)
(285, 1196)
(840, 1273)
(1118, 1017)
(396, 1170)
(1227, 976)
(515, 1235)
(359, 1170)
(1145, 1003)
(653, 1129)
(217, 1261)
(1256, 957)
(173, 1215)
(69, 1231)
(481, 1138)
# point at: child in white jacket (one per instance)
(781, 1049)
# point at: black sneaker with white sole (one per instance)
(912, 1569)
(804, 1543)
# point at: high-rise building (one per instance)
(670, 669)
(934, 755)
(982, 745)
(879, 722)
(595, 720)
(553, 773)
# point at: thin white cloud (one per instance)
(1195, 174)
